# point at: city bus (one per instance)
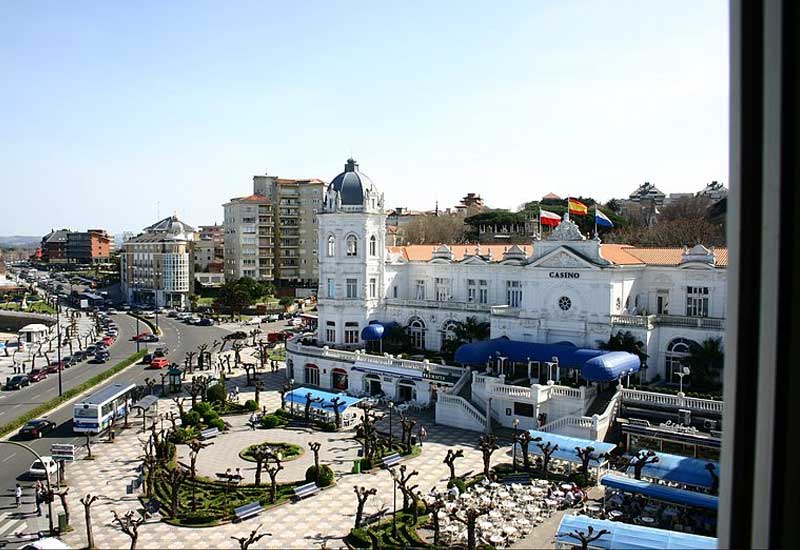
(93, 414)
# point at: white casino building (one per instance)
(552, 300)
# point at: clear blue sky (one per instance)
(108, 107)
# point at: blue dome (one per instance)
(350, 184)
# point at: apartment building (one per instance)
(272, 234)
(79, 247)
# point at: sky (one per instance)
(113, 113)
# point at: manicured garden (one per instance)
(288, 451)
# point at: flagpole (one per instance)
(595, 221)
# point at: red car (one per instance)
(108, 340)
(159, 363)
(140, 337)
(37, 374)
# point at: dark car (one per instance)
(36, 428)
(101, 357)
(18, 382)
(37, 374)
(72, 360)
(58, 365)
(91, 349)
(80, 356)
(150, 338)
(206, 322)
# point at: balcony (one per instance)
(650, 321)
(434, 304)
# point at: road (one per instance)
(14, 461)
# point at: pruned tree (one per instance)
(524, 438)
(195, 446)
(367, 430)
(87, 502)
(285, 388)
(640, 460)
(450, 460)
(315, 447)
(468, 514)
(252, 538)
(260, 454)
(174, 477)
(254, 334)
(62, 496)
(547, 451)
(403, 479)
(250, 372)
(407, 424)
(195, 390)
(259, 389)
(435, 505)
(487, 445)
(712, 470)
(129, 524)
(190, 361)
(337, 414)
(273, 467)
(179, 401)
(362, 494)
(309, 401)
(88, 445)
(201, 355)
(585, 454)
(237, 348)
(150, 464)
(587, 537)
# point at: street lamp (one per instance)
(57, 307)
(514, 423)
(684, 371)
(291, 397)
(394, 505)
(137, 334)
(391, 408)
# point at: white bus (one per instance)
(93, 414)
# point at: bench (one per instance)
(391, 460)
(208, 433)
(522, 479)
(247, 511)
(303, 491)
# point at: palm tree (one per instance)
(625, 341)
(465, 332)
(706, 361)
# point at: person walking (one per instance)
(38, 497)
(18, 495)
(421, 434)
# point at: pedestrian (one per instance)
(18, 495)
(38, 498)
(421, 434)
(252, 422)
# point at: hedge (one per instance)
(70, 394)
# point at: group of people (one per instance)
(41, 496)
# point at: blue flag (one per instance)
(601, 219)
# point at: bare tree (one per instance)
(436, 504)
(129, 524)
(337, 414)
(245, 542)
(407, 424)
(88, 445)
(450, 460)
(524, 438)
(586, 538)
(547, 451)
(253, 334)
(260, 454)
(237, 348)
(190, 361)
(429, 229)
(62, 496)
(468, 515)
(585, 454)
(273, 467)
(195, 446)
(640, 460)
(315, 447)
(87, 502)
(250, 372)
(403, 483)
(309, 401)
(201, 355)
(174, 477)
(362, 494)
(487, 445)
(285, 388)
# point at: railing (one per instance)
(673, 401)
(458, 386)
(582, 422)
(690, 322)
(563, 391)
(636, 321)
(505, 311)
(436, 304)
(511, 391)
(456, 401)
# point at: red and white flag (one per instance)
(549, 218)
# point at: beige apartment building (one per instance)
(272, 234)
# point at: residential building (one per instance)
(54, 246)
(714, 191)
(216, 234)
(272, 234)
(88, 247)
(156, 267)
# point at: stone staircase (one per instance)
(601, 401)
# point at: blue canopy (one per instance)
(681, 469)
(661, 492)
(566, 446)
(624, 535)
(596, 365)
(298, 396)
(376, 330)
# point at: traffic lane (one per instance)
(14, 403)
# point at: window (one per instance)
(564, 303)
(420, 293)
(351, 333)
(311, 374)
(416, 331)
(483, 292)
(373, 284)
(697, 301)
(514, 293)
(330, 331)
(448, 333)
(373, 246)
(352, 245)
(523, 409)
(442, 289)
(471, 290)
(331, 288)
(394, 291)
(331, 246)
(662, 302)
(352, 288)
(677, 352)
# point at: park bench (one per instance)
(247, 511)
(303, 491)
(208, 433)
(390, 460)
(522, 479)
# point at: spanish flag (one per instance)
(577, 207)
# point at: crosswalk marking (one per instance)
(12, 525)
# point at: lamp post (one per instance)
(391, 408)
(514, 423)
(137, 334)
(394, 505)
(684, 371)
(57, 307)
(291, 397)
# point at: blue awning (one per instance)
(661, 492)
(681, 469)
(376, 330)
(596, 365)
(298, 396)
(624, 535)
(566, 446)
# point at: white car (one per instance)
(44, 467)
(49, 543)
(149, 315)
(254, 321)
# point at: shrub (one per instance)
(217, 423)
(250, 405)
(192, 418)
(457, 482)
(323, 478)
(366, 464)
(216, 393)
(203, 408)
(281, 412)
(327, 426)
(270, 421)
(210, 416)
(182, 435)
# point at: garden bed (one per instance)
(289, 451)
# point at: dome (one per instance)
(351, 185)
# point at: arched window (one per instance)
(352, 245)
(675, 359)
(448, 331)
(373, 246)
(416, 331)
(331, 246)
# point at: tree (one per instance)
(524, 438)
(245, 542)
(232, 296)
(179, 401)
(585, 538)
(407, 424)
(450, 460)
(254, 334)
(309, 401)
(260, 454)
(403, 483)
(547, 451)
(487, 445)
(362, 494)
(195, 446)
(367, 430)
(315, 447)
(87, 502)
(88, 445)
(436, 504)
(272, 470)
(190, 361)
(201, 355)
(712, 470)
(624, 341)
(468, 515)
(430, 229)
(129, 525)
(706, 361)
(585, 454)
(62, 496)
(285, 388)
(250, 373)
(237, 348)
(465, 332)
(640, 460)
(337, 414)
(174, 477)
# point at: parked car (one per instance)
(17, 382)
(149, 315)
(253, 321)
(112, 311)
(207, 322)
(172, 313)
(37, 374)
(91, 349)
(159, 363)
(80, 355)
(43, 468)
(34, 429)
(108, 340)
(150, 338)
(59, 365)
(140, 337)
(101, 357)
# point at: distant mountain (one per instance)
(19, 241)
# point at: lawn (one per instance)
(35, 307)
(289, 451)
